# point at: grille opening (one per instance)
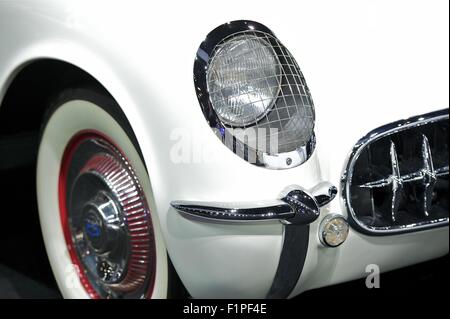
(399, 179)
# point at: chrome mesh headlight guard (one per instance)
(289, 119)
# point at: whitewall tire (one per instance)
(72, 116)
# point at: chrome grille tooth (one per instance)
(376, 184)
(396, 181)
(394, 161)
(426, 155)
(441, 171)
(429, 176)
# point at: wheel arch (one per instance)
(43, 69)
(37, 80)
(41, 79)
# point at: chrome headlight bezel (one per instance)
(299, 147)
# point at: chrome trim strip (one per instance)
(298, 207)
(374, 135)
(235, 212)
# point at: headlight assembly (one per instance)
(254, 95)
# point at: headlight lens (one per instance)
(243, 80)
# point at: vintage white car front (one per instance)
(179, 133)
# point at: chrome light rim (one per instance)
(105, 219)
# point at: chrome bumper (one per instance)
(295, 206)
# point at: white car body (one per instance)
(367, 63)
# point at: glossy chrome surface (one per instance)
(104, 236)
(108, 221)
(324, 193)
(426, 175)
(289, 121)
(296, 206)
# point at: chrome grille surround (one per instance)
(396, 177)
(290, 119)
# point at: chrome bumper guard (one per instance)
(295, 206)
